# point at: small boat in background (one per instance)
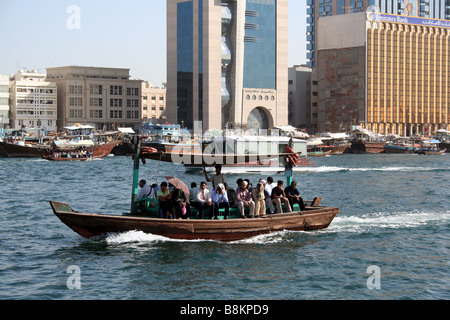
(431, 147)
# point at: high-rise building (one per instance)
(105, 98)
(436, 9)
(33, 101)
(227, 63)
(388, 73)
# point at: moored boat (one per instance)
(365, 141)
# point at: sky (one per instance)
(38, 34)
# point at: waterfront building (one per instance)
(227, 63)
(437, 9)
(387, 73)
(33, 101)
(153, 102)
(105, 98)
(299, 96)
(4, 101)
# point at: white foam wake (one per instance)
(386, 220)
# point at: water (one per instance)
(395, 215)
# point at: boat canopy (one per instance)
(126, 130)
(82, 126)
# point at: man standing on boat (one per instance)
(218, 178)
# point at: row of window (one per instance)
(98, 102)
(98, 114)
(98, 89)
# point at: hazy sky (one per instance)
(37, 34)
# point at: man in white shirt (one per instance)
(202, 200)
(145, 191)
(268, 187)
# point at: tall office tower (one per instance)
(227, 63)
(436, 9)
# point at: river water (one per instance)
(390, 241)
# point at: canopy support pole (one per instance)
(134, 190)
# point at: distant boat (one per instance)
(365, 141)
(249, 153)
(336, 143)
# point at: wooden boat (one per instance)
(232, 229)
(66, 159)
(365, 141)
(22, 150)
(246, 152)
(336, 143)
(89, 225)
(13, 150)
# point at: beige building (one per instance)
(153, 102)
(105, 98)
(227, 63)
(388, 73)
(300, 115)
(33, 101)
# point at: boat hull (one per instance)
(17, 151)
(367, 147)
(90, 225)
(398, 149)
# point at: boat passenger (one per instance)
(220, 200)
(244, 199)
(267, 195)
(180, 203)
(219, 177)
(202, 200)
(145, 191)
(259, 199)
(270, 185)
(294, 196)
(164, 197)
(192, 191)
(278, 196)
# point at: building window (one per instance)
(132, 103)
(75, 113)
(96, 102)
(95, 89)
(115, 114)
(133, 114)
(96, 114)
(75, 102)
(132, 91)
(115, 90)
(115, 102)
(76, 89)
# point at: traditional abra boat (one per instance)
(89, 225)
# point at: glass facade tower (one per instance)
(227, 63)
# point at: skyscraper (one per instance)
(436, 9)
(227, 63)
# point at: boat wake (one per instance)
(351, 224)
(383, 169)
(388, 220)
